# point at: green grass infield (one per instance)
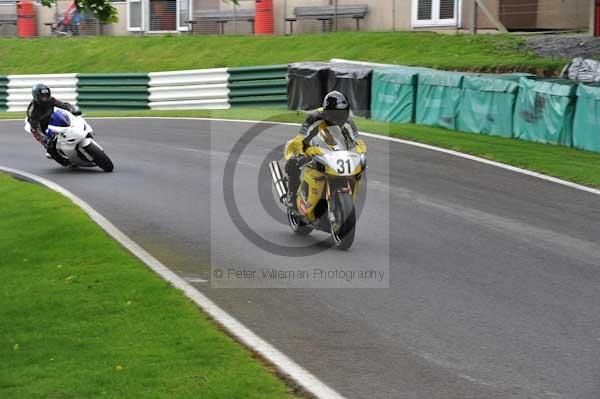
(82, 318)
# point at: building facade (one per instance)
(383, 15)
(161, 16)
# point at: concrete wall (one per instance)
(563, 14)
(482, 21)
(379, 18)
(551, 14)
(119, 28)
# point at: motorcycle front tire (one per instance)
(100, 158)
(343, 230)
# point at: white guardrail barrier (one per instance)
(194, 89)
(63, 87)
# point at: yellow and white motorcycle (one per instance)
(330, 181)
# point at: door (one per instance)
(163, 15)
(435, 12)
(519, 14)
(183, 14)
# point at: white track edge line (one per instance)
(515, 169)
(285, 365)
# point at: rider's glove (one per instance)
(76, 112)
(312, 151)
(39, 136)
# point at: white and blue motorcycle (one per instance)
(75, 141)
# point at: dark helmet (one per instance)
(41, 93)
(335, 108)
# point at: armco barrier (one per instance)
(194, 89)
(586, 129)
(261, 86)
(63, 86)
(3, 93)
(487, 104)
(544, 111)
(113, 91)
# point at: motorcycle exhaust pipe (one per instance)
(278, 180)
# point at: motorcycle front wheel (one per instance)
(342, 230)
(100, 157)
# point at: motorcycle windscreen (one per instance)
(330, 138)
(59, 118)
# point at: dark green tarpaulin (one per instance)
(586, 128)
(393, 94)
(438, 97)
(544, 111)
(487, 104)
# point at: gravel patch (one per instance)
(565, 46)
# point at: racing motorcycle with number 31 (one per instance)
(330, 181)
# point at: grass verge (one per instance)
(565, 163)
(481, 53)
(81, 318)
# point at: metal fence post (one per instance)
(474, 17)
(335, 19)
(284, 17)
(393, 15)
(593, 17)
(234, 19)
(456, 25)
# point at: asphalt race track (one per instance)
(494, 276)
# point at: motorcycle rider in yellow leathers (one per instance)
(334, 112)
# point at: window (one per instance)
(435, 12)
(134, 15)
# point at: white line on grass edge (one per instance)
(285, 365)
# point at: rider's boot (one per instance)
(53, 154)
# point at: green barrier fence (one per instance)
(586, 128)
(112, 91)
(393, 94)
(261, 86)
(438, 98)
(544, 111)
(487, 104)
(3, 93)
